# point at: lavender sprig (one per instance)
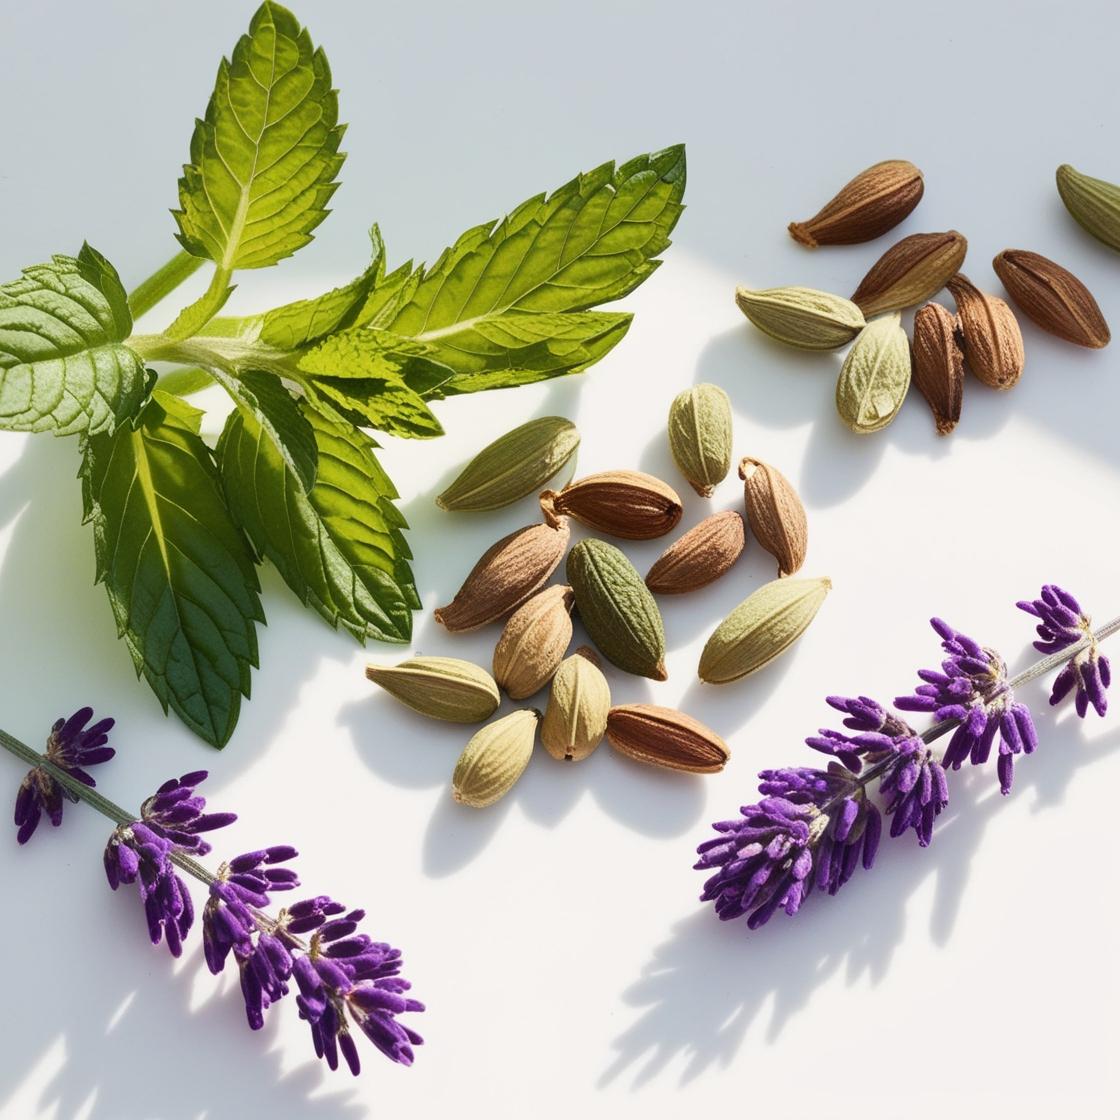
(814, 827)
(345, 979)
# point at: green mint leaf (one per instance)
(193, 318)
(340, 547)
(178, 571)
(263, 396)
(63, 367)
(592, 241)
(387, 406)
(265, 157)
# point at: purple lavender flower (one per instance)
(812, 829)
(973, 689)
(1062, 623)
(142, 852)
(71, 746)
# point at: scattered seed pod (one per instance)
(939, 364)
(617, 609)
(534, 641)
(494, 759)
(875, 376)
(776, 515)
(576, 717)
(700, 436)
(910, 272)
(700, 556)
(803, 317)
(1094, 203)
(513, 466)
(990, 335)
(440, 687)
(666, 737)
(507, 574)
(872, 203)
(1052, 297)
(761, 628)
(626, 504)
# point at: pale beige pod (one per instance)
(440, 687)
(534, 642)
(576, 717)
(494, 759)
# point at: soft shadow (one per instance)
(699, 995)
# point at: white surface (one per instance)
(556, 938)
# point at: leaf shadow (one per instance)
(704, 989)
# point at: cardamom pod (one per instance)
(1095, 203)
(700, 436)
(617, 609)
(875, 376)
(666, 737)
(626, 504)
(576, 717)
(875, 201)
(776, 515)
(939, 364)
(440, 687)
(514, 465)
(700, 556)
(761, 627)
(1052, 297)
(494, 759)
(506, 575)
(534, 641)
(910, 272)
(992, 341)
(802, 317)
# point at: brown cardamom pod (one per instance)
(938, 364)
(626, 504)
(910, 272)
(534, 641)
(875, 201)
(508, 573)
(700, 556)
(665, 737)
(775, 513)
(990, 335)
(1052, 297)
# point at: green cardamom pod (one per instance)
(617, 608)
(761, 628)
(875, 376)
(513, 466)
(700, 436)
(802, 317)
(1095, 203)
(494, 759)
(440, 687)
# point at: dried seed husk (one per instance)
(700, 436)
(513, 466)
(875, 376)
(494, 759)
(1052, 297)
(440, 687)
(617, 609)
(776, 515)
(761, 628)
(939, 364)
(990, 335)
(576, 717)
(802, 317)
(534, 641)
(872, 203)
(1094, 203)
(910, 272)
(507, 574)
(700, 556)
(626, 504)
(666, 737)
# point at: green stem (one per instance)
(163, 282)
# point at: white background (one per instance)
(556, 938)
